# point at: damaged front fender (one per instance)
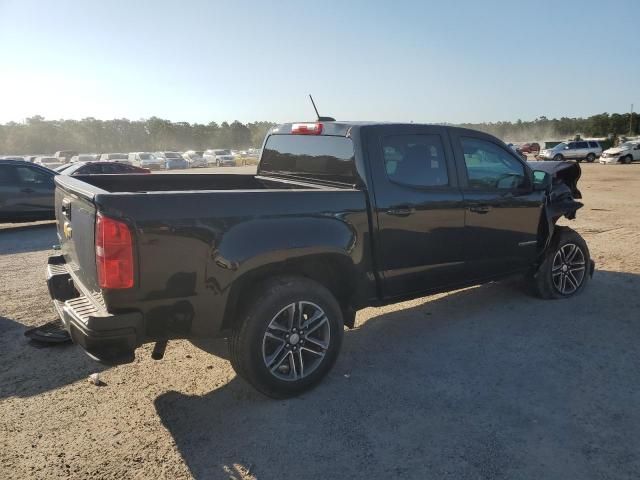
(560, 197)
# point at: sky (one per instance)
(422, 61)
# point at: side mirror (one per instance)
(541, 181)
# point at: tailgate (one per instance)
(75, 221)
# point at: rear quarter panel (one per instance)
(192, 247)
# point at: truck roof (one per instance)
(342, 128)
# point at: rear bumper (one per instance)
(107, 338)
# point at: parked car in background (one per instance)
(85, 157)
(115, 157)
(516, 149)
(96, 168)
(48, 162)
(65, 155)
(219, 158)
(578, 150)
(172, 160)
(625, 153)
(15, 158)
(194, 158)
(62, 168)
(532, 147)
(26, 191)
(146, 160)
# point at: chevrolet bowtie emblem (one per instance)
(67, 230)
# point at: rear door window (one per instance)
(415, 160)
(582, 145)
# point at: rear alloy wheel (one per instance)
(558, 158)
(296, 341)
(288, 338)
(591, 157)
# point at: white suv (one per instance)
(578, 150)
(624, 153)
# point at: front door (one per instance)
(502, 211)
(418, 207)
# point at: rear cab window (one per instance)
(313, 157)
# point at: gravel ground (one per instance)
(485, 382)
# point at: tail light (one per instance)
(114, 253)
(306, 128)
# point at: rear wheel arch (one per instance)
(333, 271)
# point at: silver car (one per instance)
(115, 157)
(146, 160)
(577, 150)
(220, 158)
(194, 158)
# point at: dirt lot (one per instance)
(485, 382)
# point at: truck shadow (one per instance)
(28, 371)
(481, 383)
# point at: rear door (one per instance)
(502, 212)
(419, 209)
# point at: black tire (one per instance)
(627, 160)
(546, 282)
(558, 157)
(248, 342)
(591, 158)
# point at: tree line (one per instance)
(90, 135)
(37, 135)
(543, 128)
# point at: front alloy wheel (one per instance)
(568, 269)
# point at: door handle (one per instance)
(27, 190)
(403, 211)
(481, 209)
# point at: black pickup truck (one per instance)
(340, 216)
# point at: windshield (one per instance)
(118, 156)
(48, 160)
(222, 152)
(627, 145)
(561, 145)
(146, 156)
(172, 155)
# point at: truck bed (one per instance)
(195, 235)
